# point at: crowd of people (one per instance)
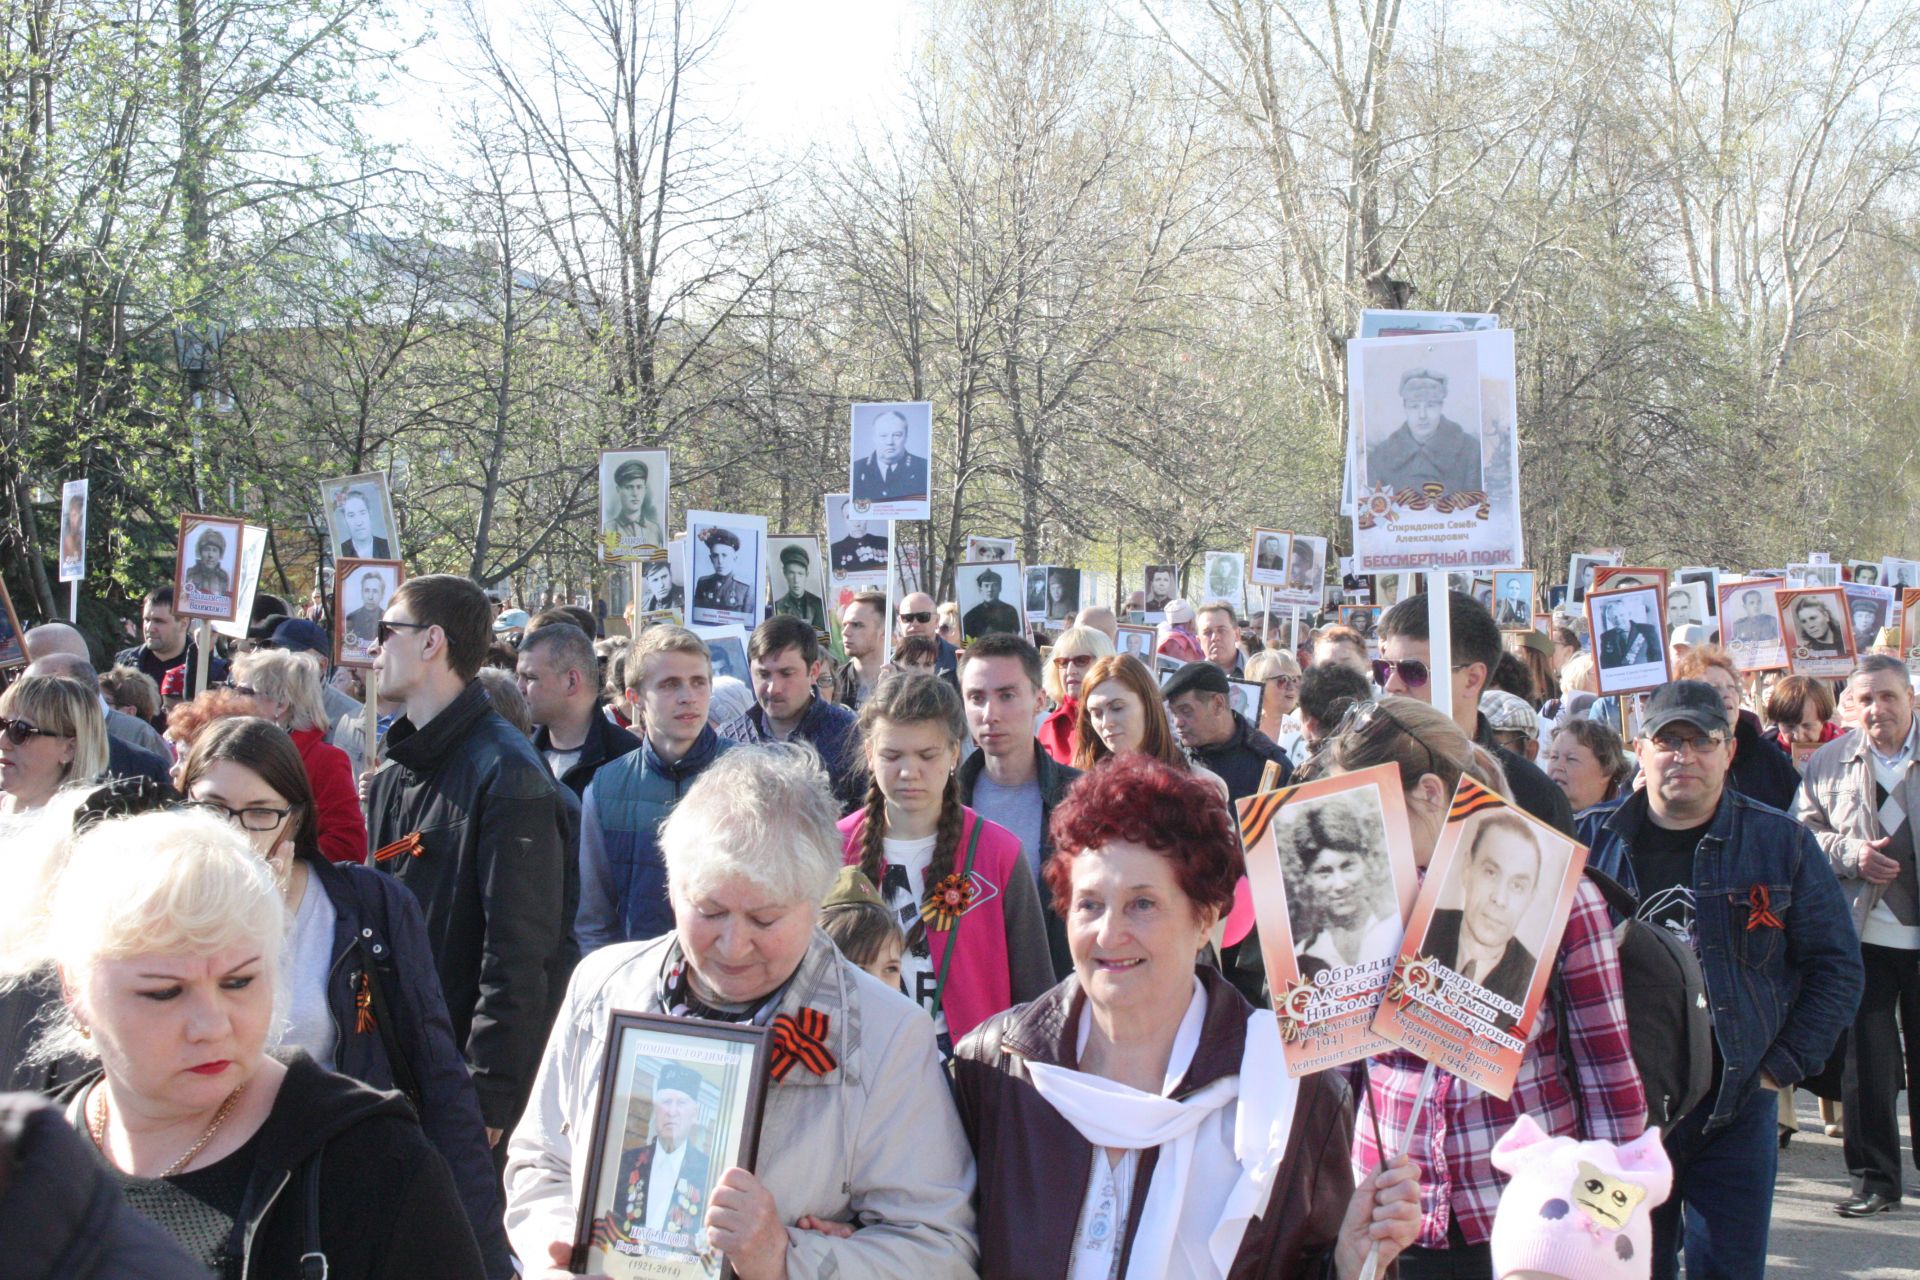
(294, 978)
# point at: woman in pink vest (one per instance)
(964, 896)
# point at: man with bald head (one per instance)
(53, 638)
(1101, 619)
(124, 759)
(918, 616)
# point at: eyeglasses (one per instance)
(18, 731)
(252, 818)
(916, 617)
(1077, 661)
(1413, 673)
(1676, 746)
(383, 633)
(1363, 718)
(244, 690)
(1285, 682)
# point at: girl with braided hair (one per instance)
(964, 896)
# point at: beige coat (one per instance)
(875, 1141)
(1835, 802)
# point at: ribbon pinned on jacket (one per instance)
(802, 1040)
(411, 845)
(1760, 910)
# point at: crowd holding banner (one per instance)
(1346, 915)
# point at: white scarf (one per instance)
(1109, 1114)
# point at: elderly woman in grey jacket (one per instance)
(863, 1170)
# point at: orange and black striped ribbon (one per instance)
(1470, 799)
(803, 1040)
(411, 845)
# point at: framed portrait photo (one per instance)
(1818, 630)
(725, 553)
(359, 512)
(1364, 618)
(362, 589)
(13, 645)
(856, 547)
(798, 584)
(206, 573)
(1687, 606)
(1244, 696)
(727, 646)
(1749, 624)
(1226, 579)
(1864, 572)
(1513, 599)
(1870, 609)
(1581, 570)
(1629, 639)
(1267, 562)
(680, 1103)
(73, 531)
(1060, 600)
(980, 550)
(891, 447)
(1140, 641)
(1305, 582)
(253, 552)
(1813, 573)
(1909, 627)
(1615, 577)
(985, 592)
(633, 504)
(660, 584)
(1899, 574)
(1161, 586)
(1708, 578)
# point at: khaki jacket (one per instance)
(1835, 802)
(874, 1142)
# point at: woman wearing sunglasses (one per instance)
(1072, 656)
(361, 991)
(1460, 1193)
(52, 732)
(1279, 675)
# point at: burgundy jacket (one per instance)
(1034, 1166)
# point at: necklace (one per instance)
(97, 1127)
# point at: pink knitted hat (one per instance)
(1577, 1210)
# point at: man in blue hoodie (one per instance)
(623, 882)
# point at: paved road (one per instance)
(1809, 1239)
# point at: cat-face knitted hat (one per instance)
(1577, 1210)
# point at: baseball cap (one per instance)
(298, 636)
(1694, 701)
(1195, 677)
(1179, 612)
(1508, 713)
(261, 629)
(512, 620)
(1692, 635)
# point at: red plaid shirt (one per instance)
(1453, 1141)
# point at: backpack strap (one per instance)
(313, 1260)
(953, 934)
(1625, 906)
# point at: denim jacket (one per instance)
(1781, 995)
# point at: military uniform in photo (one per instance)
(875, 481)
(1629, 647)
(1448, 456)
(990, 617)
(802, 604)
(864, 554)
(363, 625)
(719, 590)
(639, 530)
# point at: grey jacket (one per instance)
(1835, 802)
(875, 1142)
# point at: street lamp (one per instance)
(196, 348)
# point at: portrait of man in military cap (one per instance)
(726, 553)
(979, 590)
(633, 503)
(1427, 446)
(797, 592)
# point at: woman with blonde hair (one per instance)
(1279, 675)
(52, 732)
(287, 687)
(1074, 651)
(166, 932)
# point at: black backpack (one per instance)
(1669, 1025)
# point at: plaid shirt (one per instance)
(1453, 1141)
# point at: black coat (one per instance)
(1243, 758)
(1533, 790)
(470, 819)
(1055, 779)
(406, 1042)
(61, 1215)
(605, 741)
(23, 1008)
(387, 1207)
(1761, 770)
(1509, 979)
(125, 760)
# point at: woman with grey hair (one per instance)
(863, 1170)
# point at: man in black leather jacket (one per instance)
(467, 817)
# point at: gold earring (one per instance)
(86, 1032)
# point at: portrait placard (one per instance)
(1364, 618)
(1390, 588)
(798, 585)
(1480, 944)
(1809, 574)
(888, 469)
(359, 512)
(362, 590)
(1376, 323)
(981, 592)
(981, 549)
(1330, 863)
(1432, 431)
(1581, 570)
(206, 570)
(1909, 627)
(634, 484)
(13, 644)
(1709, 579)
(1267, 562)
(1244, 696)
(856, 550)
(1749, 626)
(1482, 593)
(727, 646)
(1053, 593)
(1899, 574)
(1687, 606)
(1513, 599)
(908, 570)
(1162, 587)
(1815, 622)
(1869, 609)
(253, 551)
(1864, 572)
(73, 531)
(1306, 572)
(1629, 639)
(1226, 579)
(1617, 577)
(661, 585)
(680, 1104)
(725, 553)
(1140, 641)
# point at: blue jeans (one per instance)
(1722, 1197)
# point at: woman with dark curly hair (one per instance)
(1129, 1091)
(1347, 915)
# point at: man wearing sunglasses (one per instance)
(918, 617)
(1749, 889)
(1403, 669)
(468, 817)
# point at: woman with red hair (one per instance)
(1120, 1091)
(1121, 712)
